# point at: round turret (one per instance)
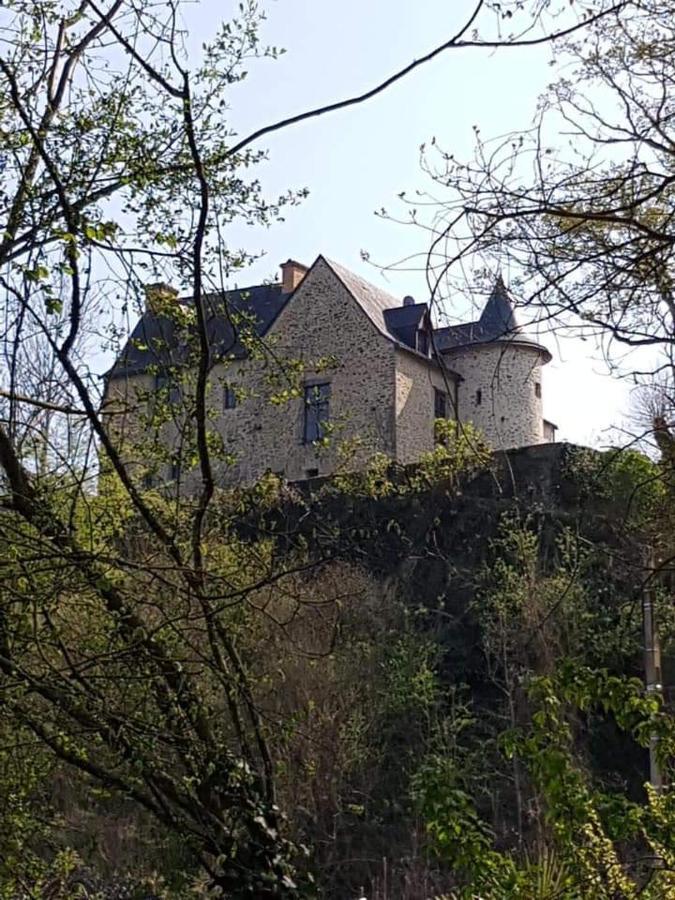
(501, 369)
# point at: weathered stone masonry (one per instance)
(373, 358)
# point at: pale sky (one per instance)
(357, 161)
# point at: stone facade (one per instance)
(322, 324)
(329, 334)
(501, 391)
(416, 384)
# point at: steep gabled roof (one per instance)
(396, 322)
(155, 342)
(373, 300)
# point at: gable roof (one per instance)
(398, 323)
(373, 300)
(155, 340)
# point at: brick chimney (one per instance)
(158, 296)
(292, 273)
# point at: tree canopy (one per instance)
(136, 643)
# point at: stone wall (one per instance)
(499, 393)
(123, 399)
(325, 336)
(325, 331)
(381, 395)
(416, 381)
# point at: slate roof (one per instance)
(153, 341)
(498, 318)
(373, 300)
(405, 321)
(497, 322)
(397, 322)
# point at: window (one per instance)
(423, 342)
(537, 389)
(167, 384)
(317, 398)
(174, 470)
(311, 473)
(440, 404)
(229, 397)
(479, 397)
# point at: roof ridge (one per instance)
(337, 267)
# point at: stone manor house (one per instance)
(371, 374)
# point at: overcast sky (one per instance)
(357, 161)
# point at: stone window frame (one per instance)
(175, 469)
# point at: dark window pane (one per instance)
(229, 397)
(423, 342)
(479, 397)
(537, 389)
(317, 397)
(166, 384)
(440, 404)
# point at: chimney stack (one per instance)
(292, 273)
(158, 296)
(408, 300)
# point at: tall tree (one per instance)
(119, 649)
(580, 206)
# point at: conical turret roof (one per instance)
(497, 323)
(498, 319)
